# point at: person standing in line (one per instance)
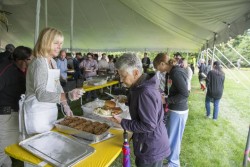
(43, 89)
(163, 77)
(150, 138)
(215, 86)
(111, 69)
(62, 65)
(103, 65)
(177, 102)
(209, 66)
(145, 62)
(76, 64)
(179, 59)
(202, 74)
(12, 85)
(70, 64)
(189, 73)
(89, 68)
(7, 54)
(192, 67)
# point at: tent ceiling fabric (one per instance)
(103, 25)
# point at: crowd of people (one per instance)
(158, 102)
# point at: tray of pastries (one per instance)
(83, 127)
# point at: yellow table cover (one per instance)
(91, 87)
(106, 152)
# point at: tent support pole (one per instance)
(71, 26)
(212, 61)
(242, 74)
(206, 53)
(38, 6)
(46, 12)
(234, 77)
(238, 53)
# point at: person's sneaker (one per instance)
(208, 117)
(214, 119)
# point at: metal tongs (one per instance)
(114, 96)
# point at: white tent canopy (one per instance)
(109, 25)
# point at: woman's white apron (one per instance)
(40, 116)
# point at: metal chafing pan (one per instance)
(82, 134)
(57, 149)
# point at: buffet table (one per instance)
(92, 87)
(106, 152)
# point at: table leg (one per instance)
(110, 89)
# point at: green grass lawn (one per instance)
(208, 143)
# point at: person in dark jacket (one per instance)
(7, 54)
(12, 85)
(150, 139)
(202, 74)
(145, 62)
(215, 85)
(177, 102)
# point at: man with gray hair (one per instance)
(150, 139)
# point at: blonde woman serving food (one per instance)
(43, 89)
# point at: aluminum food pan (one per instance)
(57, 149)
(82, 134)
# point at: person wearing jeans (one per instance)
(215, 85)
(216, 107)
(175, 127)
(177, 102)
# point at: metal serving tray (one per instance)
(82, 134)
(57, 149)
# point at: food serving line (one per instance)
(59, 148)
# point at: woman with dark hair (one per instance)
(215, 85)
(177, 102)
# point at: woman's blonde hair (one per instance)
(44, 42)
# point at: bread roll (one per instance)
(110, 103)
(116, 110)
